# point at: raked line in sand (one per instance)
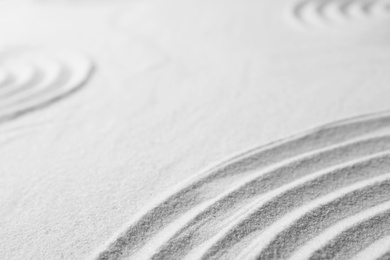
(274, 200)
(34, 78)
(338, 13)
(377, 250)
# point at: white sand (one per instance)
(214, 129)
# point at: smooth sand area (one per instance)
(183, 129)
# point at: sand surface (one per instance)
(183, 129)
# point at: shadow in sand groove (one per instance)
(32, 79)
(333, 13)
(273, 201)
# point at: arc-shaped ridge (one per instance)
(338, 13)
(35, 78)
(216, 216)
(307, 222)
(229, 206)
(292, 196)
(373, 251)
(352, 241)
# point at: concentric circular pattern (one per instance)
(32, 79)
(325, 13)
(324, 194)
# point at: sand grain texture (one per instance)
(110, 143)
(319, 178)
(319, 14)
(32, 79)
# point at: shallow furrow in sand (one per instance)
(337, 13)
(26, 78)
(355, 239)
(215, 217)
(385, 256)
(218, 180)
(373, 251)
(376, 250)
(289, 197)
(38, 86)
(298, 227)
(34, 78)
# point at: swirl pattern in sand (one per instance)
(326, 13)
(323, 194)
(32, 79)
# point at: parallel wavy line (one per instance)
(336, 13)
(32, 79)
(326, 175)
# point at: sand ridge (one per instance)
(320, 194)
(33, 78)
(326, 175)
(336, 13)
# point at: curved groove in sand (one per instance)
(376, 250)
(241, 199)
(385, 256)
(325, 13)
(225, 209)
(33, 79)
(285, 235)
(263, 215)
(16, 83)
(355, 239)
(370, 252)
